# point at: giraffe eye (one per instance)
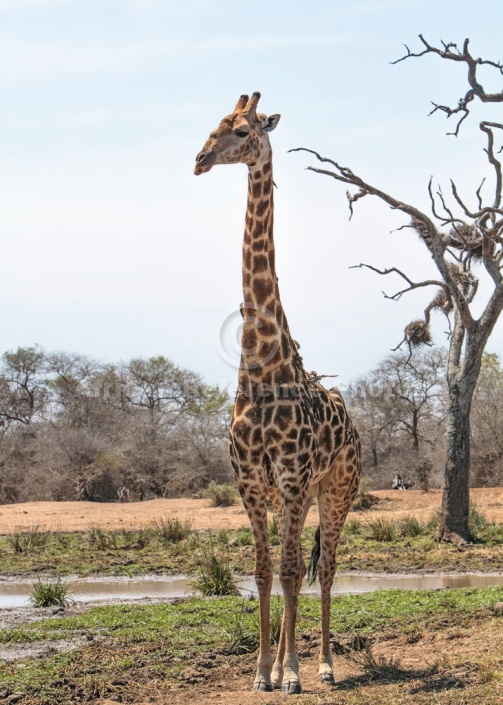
(241, 133)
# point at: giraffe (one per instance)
(291, 440)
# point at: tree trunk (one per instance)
(455, 500)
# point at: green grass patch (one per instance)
(148, 647)
(197, 620)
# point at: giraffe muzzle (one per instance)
(204, 162)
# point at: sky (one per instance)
(112, 248)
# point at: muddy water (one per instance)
(15, 594)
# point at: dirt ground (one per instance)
(430, 664)
(79, 516)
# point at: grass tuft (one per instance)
(352, 526)
(101, 538)
(50, 593)
(173, 530)
(273, 531)
(243, 637)
(381, 530)
(25, 541)
(213, 571)
(410, 527)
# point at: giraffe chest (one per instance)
(289, 436)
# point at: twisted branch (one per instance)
(451, 52)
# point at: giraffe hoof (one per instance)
(261, 687)
(326, 678)
(291, 688)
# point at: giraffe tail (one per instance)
(312, 569)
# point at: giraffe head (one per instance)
(241, 137)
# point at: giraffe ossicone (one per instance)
(291, 440)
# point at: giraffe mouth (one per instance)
(198, 169)
(204, 162)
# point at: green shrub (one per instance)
(477, 520)
(244, 537)
(243, 638)
(276, 618)
(221, 495)
(273, 531)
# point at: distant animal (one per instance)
(399, 484)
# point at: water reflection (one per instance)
(15, 594)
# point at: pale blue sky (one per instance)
(110, 246)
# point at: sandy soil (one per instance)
(432, 663)
(78, 516)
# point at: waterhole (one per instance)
(16, 593)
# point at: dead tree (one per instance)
(460, 239)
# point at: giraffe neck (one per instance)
(269, 355)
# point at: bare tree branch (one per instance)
(451, 52)
(412, 285)
(421, 223)
(486, 127)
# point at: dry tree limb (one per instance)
(451, 52)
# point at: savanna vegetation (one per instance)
(71, 428)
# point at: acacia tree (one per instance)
(458, 237)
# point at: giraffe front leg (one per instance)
(277, 669)
(263, 579)
(292, 570)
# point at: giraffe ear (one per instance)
(270, 123)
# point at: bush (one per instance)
(244, 537)
(477, 520)
(274, 538)
(221, 495)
